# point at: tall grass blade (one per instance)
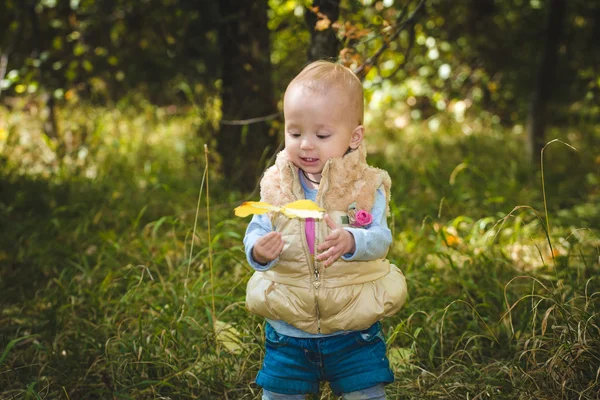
(10, 345)
(544, 189)
(210, 263)
(187, 273)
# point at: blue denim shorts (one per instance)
(349, 362)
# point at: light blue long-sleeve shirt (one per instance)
(370, 244)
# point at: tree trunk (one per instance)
(323, 43)
(543, 82)
(247, 91)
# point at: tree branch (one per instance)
(406, 54)
(373, 59)
(251, 120)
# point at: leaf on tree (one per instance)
(323, 24)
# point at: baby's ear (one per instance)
(357, 137)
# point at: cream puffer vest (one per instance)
(348, 295)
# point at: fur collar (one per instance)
(348, 179)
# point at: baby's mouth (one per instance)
(309, 159)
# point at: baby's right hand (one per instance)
(268, 248)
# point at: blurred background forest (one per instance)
(122, 271)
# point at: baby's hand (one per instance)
(268, 248)
(337, 243)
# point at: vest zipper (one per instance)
(313, 265)
(317, 266)
(313, 269)
(317, 282)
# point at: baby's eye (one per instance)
(323, 136)
(294, 134)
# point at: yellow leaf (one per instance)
(322, 24)
(303, 209)
(69, 94)
(297, 209)
(451, 240)
(545, 319)
(228, 336)
(254, 207)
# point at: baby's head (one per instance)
(323, 109)
(322, 78)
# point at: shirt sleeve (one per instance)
(372, 243)
(259, 226)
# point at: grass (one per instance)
(101, 298)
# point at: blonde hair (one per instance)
(322, 76)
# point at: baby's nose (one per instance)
(306, 144)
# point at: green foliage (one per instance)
(100, 299)
(474, 56)
(464, 57)
(103, 49)
(289, 38)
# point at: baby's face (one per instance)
(318, 126)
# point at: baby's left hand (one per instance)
(336, 244)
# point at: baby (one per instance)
(323, 286)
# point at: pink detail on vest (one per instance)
(310, 234)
